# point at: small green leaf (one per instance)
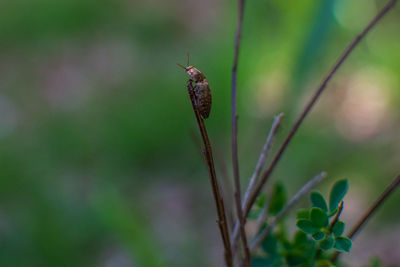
(327, 243)
(324, 263)
(270, 245)
(300, 238)
(338, 228)
(338, 192)
(317, 200)
(306, 226)
(318, 236)
(295, 257)
(318, 217)
(342, 244)
(261, 200)
(278, 199)
(333, 212)
(261, 262)
(302, 214)
(375, 262)
(254, 214)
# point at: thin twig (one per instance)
(227, 188)
(263, 215)
(371, 211)
(219, 201)
(293, 201)
(227, 193)
(263, 157)
(254, 178)
(312, 101)
(375, 206)
(235, 160)
(336, 218)
(238, 205)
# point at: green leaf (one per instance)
(260, 202)
(300, 238)
(303, 243)
(254, 214)
(318, 236)
(306, 226)
(302, 214)
(375, 262)
(342, 244)
(333, 212)
(261, 262)
(338, 228)
(317, 200)
(338, 192)
(278, 199)
(295, 257)
(270, 245)
(327, 243)
(324, 263)
(318, 217)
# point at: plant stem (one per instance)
(254, 178)
(239, 210)
(313, 100)
(235, 160)
(336, 218)
(375, 206)
(228, 189)
(334, 221)
(219, 201)
(263, 157)
(371, 211)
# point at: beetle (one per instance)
(202, 92)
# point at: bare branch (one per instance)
(254, 178)
(263, 215)
(263, 157)
(374, 207)
(312, 101)
(295, 199)
(235, 160)
(371, 211)
(227, 189)
(219, 201)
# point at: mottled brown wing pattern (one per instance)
(203, 98)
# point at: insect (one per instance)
(202, 93)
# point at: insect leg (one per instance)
(192, 93)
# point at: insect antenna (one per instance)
(187, 62)
(181, 66)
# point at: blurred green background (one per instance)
(99, 157)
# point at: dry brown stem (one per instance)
(219, 201)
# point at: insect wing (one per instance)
(203, 97)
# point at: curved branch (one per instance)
(219, 201)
